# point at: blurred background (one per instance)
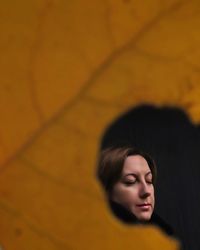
(68, 69)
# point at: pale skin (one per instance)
(134, 190)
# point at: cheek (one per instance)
(153, 196)
(124, 195)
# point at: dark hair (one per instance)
(111, 162)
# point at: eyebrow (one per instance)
(135, 175)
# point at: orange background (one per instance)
(68, 68)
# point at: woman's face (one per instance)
(134, 190)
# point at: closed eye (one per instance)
(149, 178)
(128, 183)
(149, 181)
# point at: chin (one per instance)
(144, 217)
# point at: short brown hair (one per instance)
(111, 162)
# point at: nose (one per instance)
(144, 190)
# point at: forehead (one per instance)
(135, 164)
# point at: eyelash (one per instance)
(133, 182)
(130, 183)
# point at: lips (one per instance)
(144, 206)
